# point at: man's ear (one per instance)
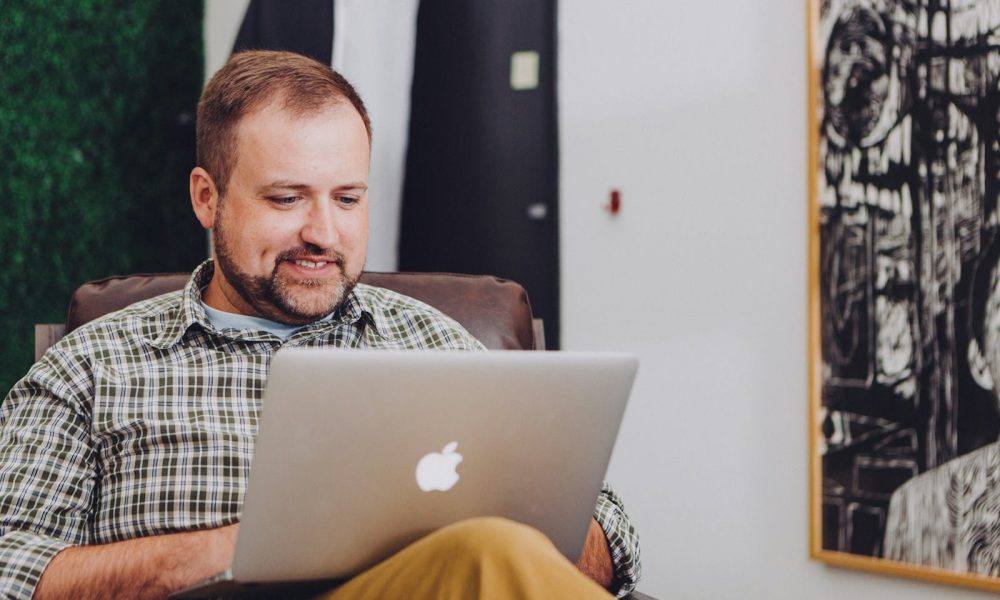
(204, 196)
(978, 366)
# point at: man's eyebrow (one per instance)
(282, 185)
(291, 185)
(359, 186)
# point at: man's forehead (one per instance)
(281, 109)
(279, 149)
(275, 119)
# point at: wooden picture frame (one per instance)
(904, 287)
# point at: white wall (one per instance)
(696, 111)
(221, 24)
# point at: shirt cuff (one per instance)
(23, 558)
(623, 541)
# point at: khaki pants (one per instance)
(478, 558)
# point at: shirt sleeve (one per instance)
(46, 474)
(622, 540)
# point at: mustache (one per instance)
(313, 254)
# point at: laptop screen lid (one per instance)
(363, 452)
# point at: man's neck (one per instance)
(221, 319)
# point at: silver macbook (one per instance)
(363, 452)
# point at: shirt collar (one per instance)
(356, 306)
(190, 312)
(360, 304)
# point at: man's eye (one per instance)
(348, 200)
(283, 200)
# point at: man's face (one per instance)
(292, 229)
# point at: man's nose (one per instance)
(320, 228)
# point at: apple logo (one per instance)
(436, 471)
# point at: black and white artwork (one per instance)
(907, 177)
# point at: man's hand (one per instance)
(595, 561)
(151, 567)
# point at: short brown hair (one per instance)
(249, 81)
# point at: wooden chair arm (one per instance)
(47, 334)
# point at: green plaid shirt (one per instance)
(143, 423)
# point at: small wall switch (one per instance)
(524, 70)
(614, 204)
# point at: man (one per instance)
(124, 452)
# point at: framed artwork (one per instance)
(904, 302)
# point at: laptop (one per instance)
(360, 453)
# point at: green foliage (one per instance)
(94, 152)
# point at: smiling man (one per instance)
(125, 451)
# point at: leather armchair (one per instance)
(496, 311)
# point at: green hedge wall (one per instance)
(97, 99)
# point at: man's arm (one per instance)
(47, 468)
(595, 561)
(47, 475)
(150, 567)
(622, 540)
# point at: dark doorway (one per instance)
(482, 167)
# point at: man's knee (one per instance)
(490, 537)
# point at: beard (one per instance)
(275, 296)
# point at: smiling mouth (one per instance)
(313, 263)
(309, 264)
(314, 270)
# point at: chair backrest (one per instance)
(496, 311)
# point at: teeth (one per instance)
(310, 264)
